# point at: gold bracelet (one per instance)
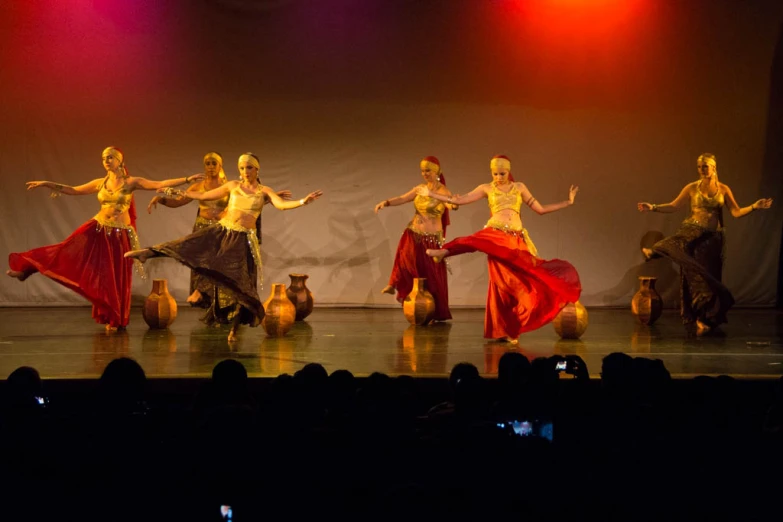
(654, 207)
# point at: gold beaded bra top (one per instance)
(429, 207)
(219, 204)
(118, 200)
(705, 208)
(249, 204)
(499, 200)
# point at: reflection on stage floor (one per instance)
(66, 343)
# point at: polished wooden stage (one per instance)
(65, 343)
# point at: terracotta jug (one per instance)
(300, 295)
(280, 312)
(419, 305)
(572, 321)
(647, 304)
(160, 309)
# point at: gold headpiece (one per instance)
(500, 164)
(250, 159)
(217, 157)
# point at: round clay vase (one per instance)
(572, 321)
(419, 305)
(300, 295)
(160, 309)
(279, 312)
(647, 304)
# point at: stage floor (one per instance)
(65, 343)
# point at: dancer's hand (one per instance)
(284, 194)
(312, 197)
(195, 177)
(422, 190)
(36, 184)
(379, 206)
(762, 204)
(644, 207)
(153, 204)
(572, 194)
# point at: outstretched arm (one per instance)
(284, 194)
(399, 200)
(279, 204)
(172, 202)
(738, 211)
(210, 195)
(147, 184)
(540, 209)
(59, 188)
(667, 208)
(472, 196)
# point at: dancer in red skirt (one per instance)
(525, 291)
(90, 261)
(426, 230)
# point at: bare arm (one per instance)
(540, 209)
(284, 194)
(668, 208)
(147, 184)
(59, 188)
(738, 211)
(399, 200)
(472, 196)
(210, 195)
(172, 202)
(279, 204)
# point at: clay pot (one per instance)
(419, 305)
(572, 321)
(300, 295)
(279, 312)
(647, 304)
(160, 308)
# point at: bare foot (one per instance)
(647, 253)
(110, 328)
(389, 290)
(232, 335)
(141, 255)
(701, 328)
(437, 255)
(21, 276)
(195, 297)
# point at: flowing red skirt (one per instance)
(90, 262)
(411, 261)
(525, 292)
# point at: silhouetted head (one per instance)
(23, 386)
(461, 372)
(122, 381)
(513, 370)
(617, 371)
(229, 379)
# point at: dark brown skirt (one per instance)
(224, 258)
(699, 252)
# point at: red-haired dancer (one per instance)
(426, 230)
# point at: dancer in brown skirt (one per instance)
(228, 253)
